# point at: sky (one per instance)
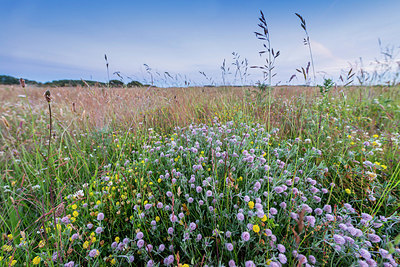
(48, 40)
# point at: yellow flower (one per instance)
(98, 202)
(185, 265)
(251, 205)
(157, 219)
(93, 239)
(375, 136)
(85, 245)
(384, 167)
(10, 237)
(264, 218)
(256, 228)
(348, 191)
(74, 207)
(159, 180)
(113, 261)
(117, 239)
(269, 261)
(6, 248)
(75, 214)
(42, 243)
(11, 261)
(73, 219)
(36, 260)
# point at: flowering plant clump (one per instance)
(231, 194)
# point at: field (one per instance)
(202, 176)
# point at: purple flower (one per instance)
(199, 237)
(311, 220)
(362, 263)
(318, 211)
(339, 239)
(150, 263)
(173, 218)
(75, 236)
(273, 211)
(201, 202)
(100, 216)
(149, 248)
(365, 254)
(282, 258)
(125, 241)
(99, 230)
(192, 226)
(281, 248)
(229, 246)
(140, 243)
(170, 230)
(366, 216)
(131, 259)
(209, 193)
(312, 259)
(148, 206)
(245, 236)
(139, 235)
(93, 253)
(169, 260)
(232, 263)
(228, 234)
(161, 247)
(169, 194)
(114, 245)
(249, 264)
(199, 189)
(278, 189)
(374, 238)
(160, 205)
(89, 226)
(240, 216)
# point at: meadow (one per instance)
(200, 176)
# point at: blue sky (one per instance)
(48, 40)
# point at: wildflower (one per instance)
(374, 238)
(339, 239)
(161, 247)
(251, 205)
(348, 191)
(240, 216)
(74, 207)
(75, 213)
(229, 246)
(69, 264)
(99, 230)
(365, 254)
(117, 239)
(282, 258)
(140, 243)
(273, 211)
(94, 253)
(100, 216)
(192, 226)
(232, 263)
(170, 230)
(209, 193)
(281, 248)
(245, 236)
(85, 245)
(249, 264)
(36, 260)
(256, 228)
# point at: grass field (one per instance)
(233, 176)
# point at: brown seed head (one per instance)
(47, 96)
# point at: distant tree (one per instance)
(8, 80)
(134, 84)
(116, 83)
